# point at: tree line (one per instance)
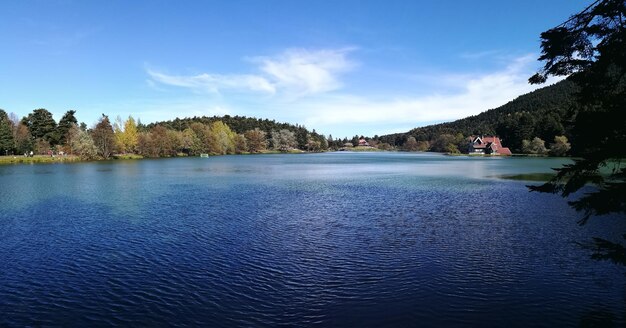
(39, 133)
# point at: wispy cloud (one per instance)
(294, 73)
(215, 82)
(301, 72)
(60, 43)
(481, 54)
(477, 94)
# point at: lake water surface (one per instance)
(333, 239)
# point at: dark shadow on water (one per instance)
(606, 250)
(603, 250)
(597, 317)
(542, 177)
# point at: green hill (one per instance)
(543, 113)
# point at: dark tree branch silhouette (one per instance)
(590, 47)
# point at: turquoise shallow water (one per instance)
(334, 239)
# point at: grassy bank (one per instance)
(127, 156)
(72, 158)
(38, 159)
(361, 148)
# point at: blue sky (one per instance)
(340, 67)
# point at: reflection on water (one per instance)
(338, 239)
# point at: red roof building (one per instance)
(488, 145)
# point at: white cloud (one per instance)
(477, 95)
(294, 73)
(215, 82)
(302, 72)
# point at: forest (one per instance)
(40, 134)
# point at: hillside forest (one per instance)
(539, 122)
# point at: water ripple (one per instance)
(317, 242)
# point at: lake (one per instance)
(332, 239)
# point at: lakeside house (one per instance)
(488, 145)
(363, 142)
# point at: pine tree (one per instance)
(6, 134)
(591, 46)
(42, 125)
(65, 124)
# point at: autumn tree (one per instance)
(174, 140)
(82, 143)
(313, 144)
(23, 140)
(126, 134)
(203, 134)
(284, 140)
(423, 145)
(130, 135)
(535, 146)
(256, 140)
(190, 143)
(104, 137)
(70, 137)
(241, 144)
(144, 145)
(222, 139)
(118, 131)
(560, 147)
(410, 144)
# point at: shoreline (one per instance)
(47, 159)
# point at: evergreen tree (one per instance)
(65, 124)
(6, 134)
(591, 46)
(42, 125)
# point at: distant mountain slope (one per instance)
(543, 113)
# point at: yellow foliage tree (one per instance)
(222, 139)
(130, 135)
